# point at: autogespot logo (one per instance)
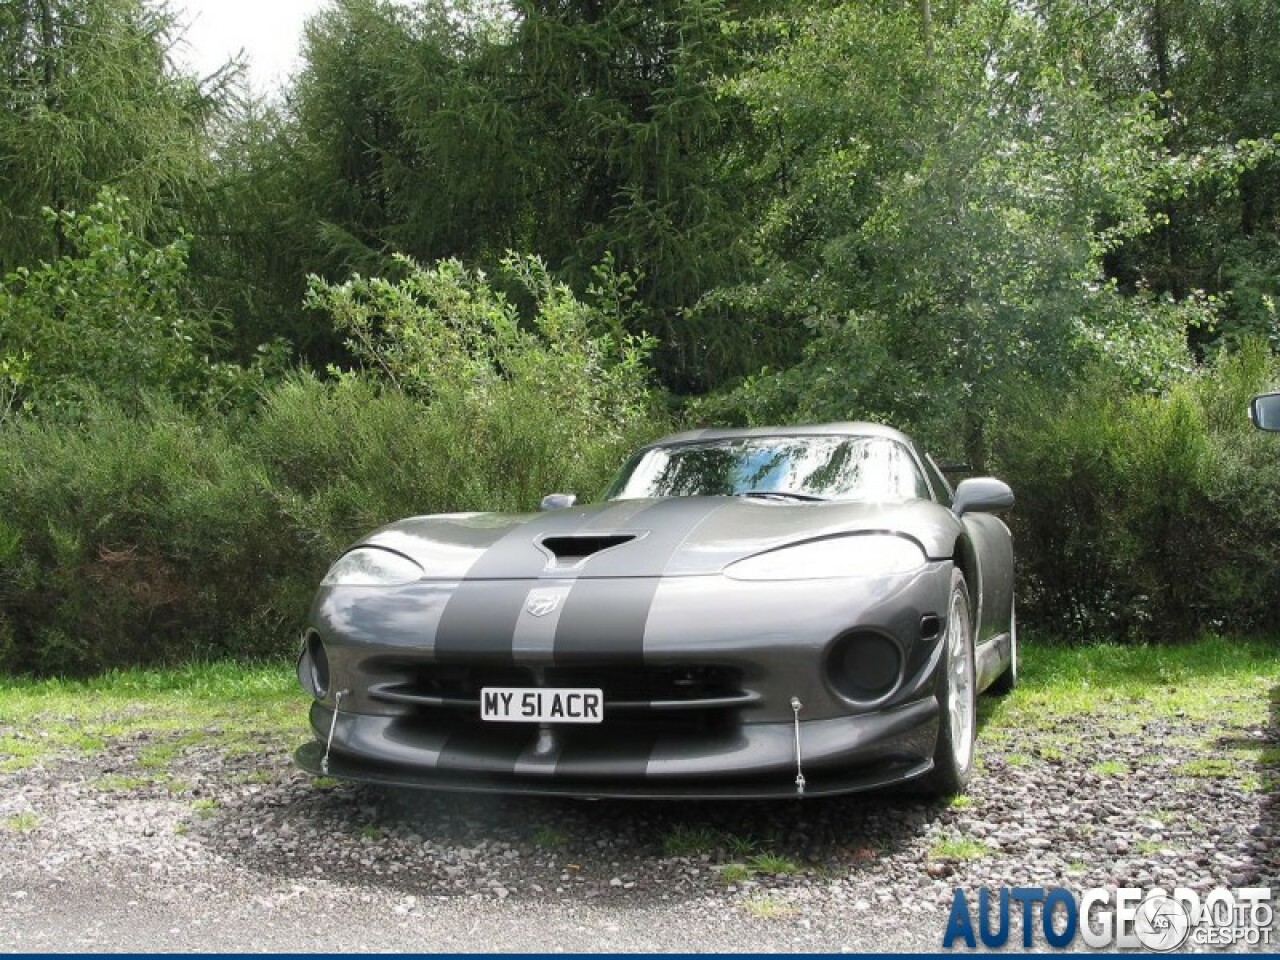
(1127, 917)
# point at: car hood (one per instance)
(678, 536)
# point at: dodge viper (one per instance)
(757, 612)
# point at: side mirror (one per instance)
(558, 501)
(981, 495)
(1264, 411)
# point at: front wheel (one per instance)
(957, 695)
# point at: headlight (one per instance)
(372, 566)
(860, 555)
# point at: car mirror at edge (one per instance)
(981, 495)
(1264, 411)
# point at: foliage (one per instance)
(941, 235)
(160, 536)
(1215, 69)
(1140, 516)
(135, 539)
(87, 101)
(109, 318)
(572, 129)
(820, 211)
(445, 328)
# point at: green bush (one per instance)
(111, 319)
(135, 539)
(346, 456)
(1148, 517)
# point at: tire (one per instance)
(958, 698)
(1006, 682)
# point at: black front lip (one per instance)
(309, 757)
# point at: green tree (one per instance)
(568, 129)
(111, 318)
(1214, 67)
(87, 99)
(936, 225)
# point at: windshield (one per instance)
(802, 468)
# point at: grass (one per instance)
(21, 822)
(773, 864)
(549, 838)
(1110, 768)
(1206, 767)
(961, 801)
(1223, 686)
(1124, 687)
(767, 908)
(238, 708)
(959, 848)
(204, 806)
(738, 846)
(18, 752)
(120, 781)
(685, 841)
(233, 707)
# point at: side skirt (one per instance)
(992, 658)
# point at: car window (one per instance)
(939, 480)
(829, 467)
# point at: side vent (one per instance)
(573, 550)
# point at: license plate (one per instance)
(541, 705)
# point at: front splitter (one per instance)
(310, 756)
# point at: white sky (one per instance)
(268, 31)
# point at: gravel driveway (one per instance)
(241, 852)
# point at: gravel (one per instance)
(240, 851)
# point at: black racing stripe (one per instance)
(479, 620)
(666, 524)
(589, 757)
(603, 622)
(477, 750)
(605, 613)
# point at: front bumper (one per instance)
(698, 685)
(841, 755)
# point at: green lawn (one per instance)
(233, 707)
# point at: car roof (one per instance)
(849, 428)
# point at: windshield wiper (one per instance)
(781, 494)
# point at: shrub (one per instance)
(1148, 517)
(109, 319)
(136, 539)
(346, 456)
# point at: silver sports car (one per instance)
(747, 613)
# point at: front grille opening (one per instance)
(571, 550)
(672, 684)
(690, 694)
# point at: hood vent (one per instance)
(569, 551)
